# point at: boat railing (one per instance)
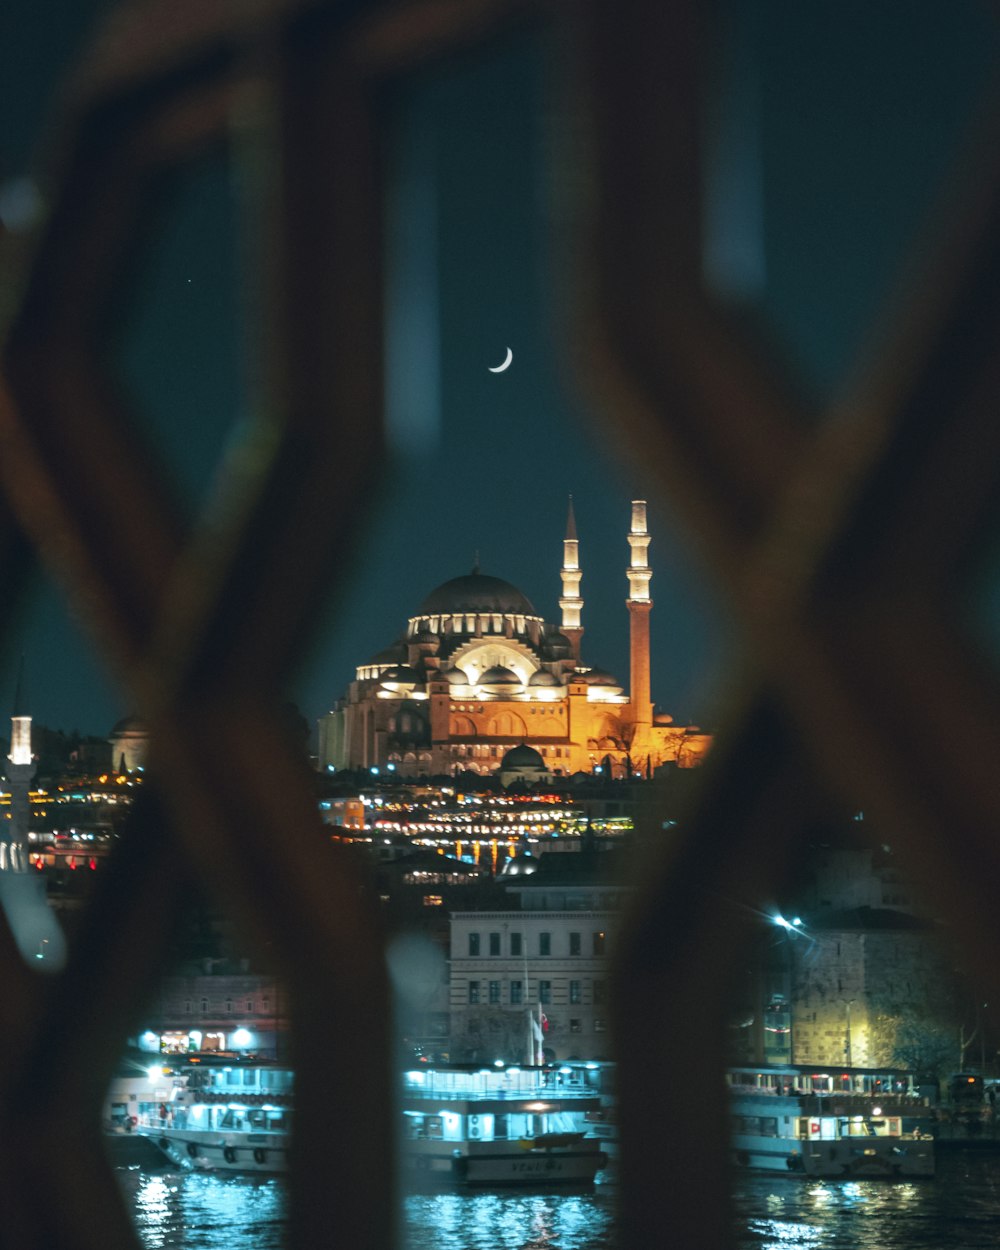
(152, 1122)
(553, 1094)
(502, 1087)
(835, 1102)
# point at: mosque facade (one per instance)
(479, 672)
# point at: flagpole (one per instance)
(527, 1003)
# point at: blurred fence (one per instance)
(844, 544)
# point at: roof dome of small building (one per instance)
(522, 757)
(523, 866)
(596, 677)
(475, 592)
(542, 677)
(129, 725)
(456, 676)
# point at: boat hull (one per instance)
(498, 1167)
(845, 1159)
(222, 1152)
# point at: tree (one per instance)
(903, 1039)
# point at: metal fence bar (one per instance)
(838, 570)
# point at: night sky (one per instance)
(836, 131)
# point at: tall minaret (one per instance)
(639, 605)
(20, 770)
(571, 603)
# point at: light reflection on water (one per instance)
(187, 1210)
(196, 1211)
(506, 1221)
(960, 1210)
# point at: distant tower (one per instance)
(639, 606)
(20, 770)
(571, 603)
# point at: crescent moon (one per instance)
(505, 365)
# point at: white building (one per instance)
(532, 982)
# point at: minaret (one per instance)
(639, 606)
(20, 770)
(571, 603)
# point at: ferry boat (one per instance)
(221, 1113)
(499, 1126)
(846, 1124)
(461, 1125)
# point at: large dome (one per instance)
(476, 592)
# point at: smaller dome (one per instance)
(399, 677)
(522, 757)
(129, 725)
(596, 677)
(395, 653)
(523, 866)
(499, 676)
(543, 678)
(456, 676)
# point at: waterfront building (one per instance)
(217, 1004)
(858, 978)
(874, 987)
(530, 983)
(479, 672)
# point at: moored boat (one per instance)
(499, 1126)
(222, 1113)
(836, 1124)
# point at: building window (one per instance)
(545, 991)
(600, 943)
(516, 993)
(433, 900)
(229, 1006)
(575, 1026)
(515, 945)
(187, 1005)
(473, 944)
(599, 991)
(545, 943)
(574, 943)
(575, 996)
(249, 1004)
(473, 991)
(494, 991)
(204, 1006)
(598, 1026)
(494, 944)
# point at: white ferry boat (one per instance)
(500, 1126)
(221, 1113)
(835, 1123)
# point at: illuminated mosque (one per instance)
(479, 675)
